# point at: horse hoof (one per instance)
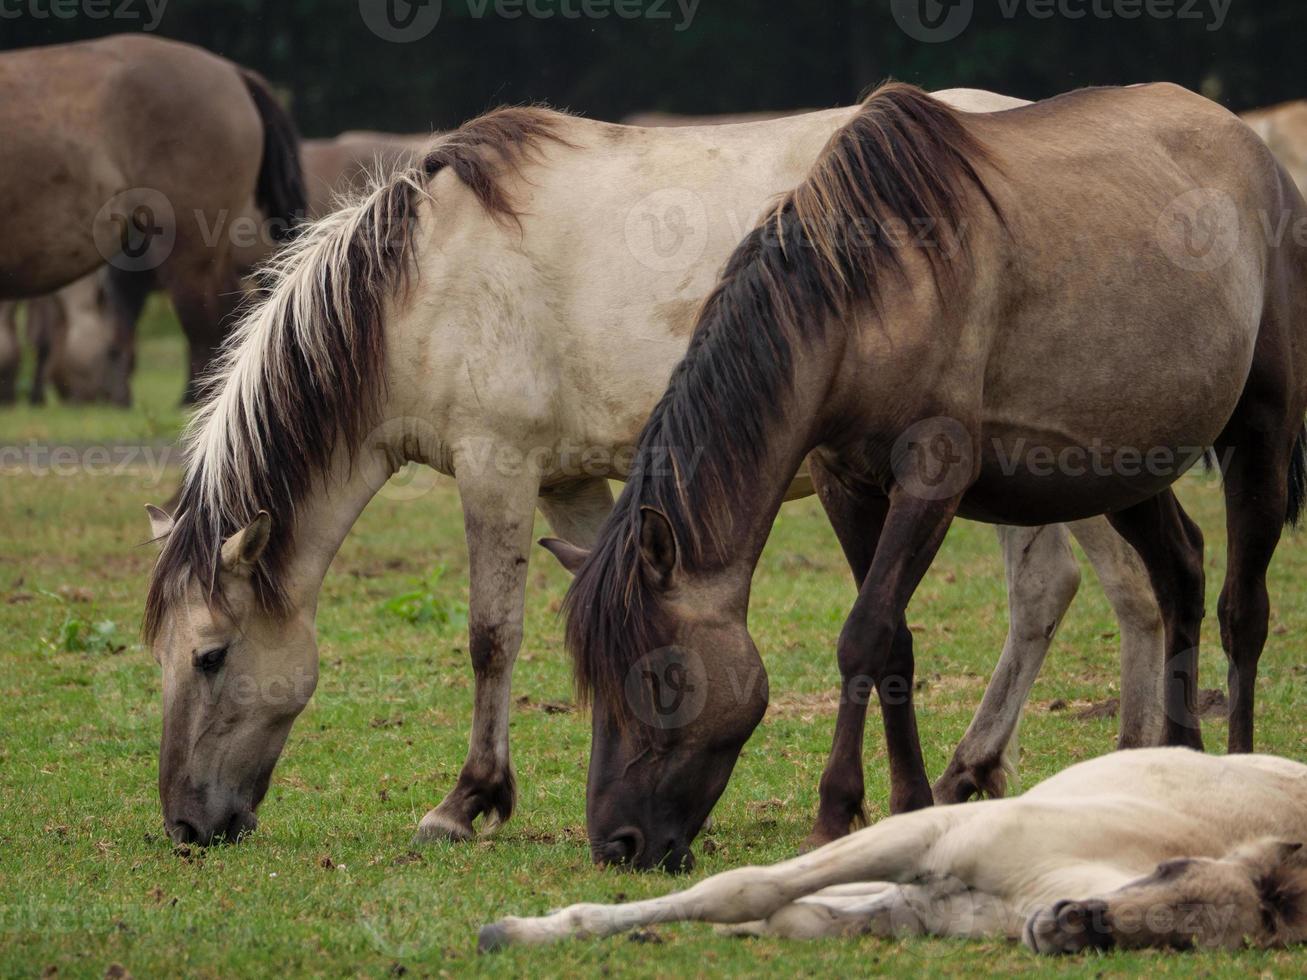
(437, 827)
(492, 938)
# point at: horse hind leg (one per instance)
(498, 512)
(1143, 638)
(1262, 469)
(10, 353)
(1170, 545)
(1042, 579)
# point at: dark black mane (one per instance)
(827, 245)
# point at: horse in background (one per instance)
(1284, 130)
(139, 152)
(86, 343)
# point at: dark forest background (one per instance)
(735, 55)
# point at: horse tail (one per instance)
(281, 192)
(1297, 480)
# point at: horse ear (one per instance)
(161, 522)
(658, 546)
(243, 549)
(569, 555)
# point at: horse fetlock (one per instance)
(965, 781)
(492, 797)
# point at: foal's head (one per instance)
(235, 676)
(669, 724)
(1256, 895)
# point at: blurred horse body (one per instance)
(87, 360)
(1284, 129)
(139, 151)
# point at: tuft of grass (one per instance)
(329, 884)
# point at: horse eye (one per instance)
(1172, 869)
(210, 661)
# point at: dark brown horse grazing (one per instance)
(141, 152)
(1056, 348)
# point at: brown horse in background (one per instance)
(84, 335)
(140, 152)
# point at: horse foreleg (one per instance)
(498, 513)
(895, 849)
(1171, 548)
(875, 646)
(1042, 579)
(1143, 639)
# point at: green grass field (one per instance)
(329, 885)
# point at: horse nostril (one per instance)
(182, 832)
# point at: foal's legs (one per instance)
(894, 850)
(499, 515)
(1143, 639)
(1171, 548)
(890, 544)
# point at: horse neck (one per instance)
(756, 492)
(325, 516)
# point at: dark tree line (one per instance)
(732, 55)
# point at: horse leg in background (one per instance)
(1042, 578)
(894, 850)
(577, 511)
(42, 344)
(10, 353)
(1171, 548)
(205, 303)
(1143, 638)
(1256, 462)
(124, 296)
(890, 543)
(499, 516)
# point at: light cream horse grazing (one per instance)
(1160, 848)
(505, 314)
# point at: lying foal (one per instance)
(1156, 847)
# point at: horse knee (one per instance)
(493, 648)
